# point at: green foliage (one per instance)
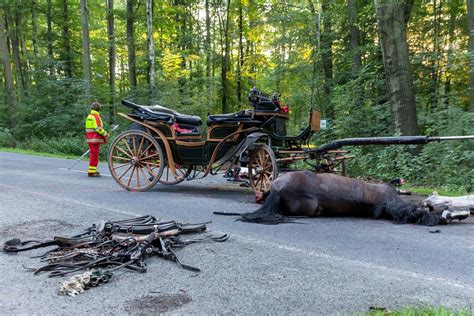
(62, 144)
(6, 138)
(448, 165)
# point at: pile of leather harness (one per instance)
(108, 246)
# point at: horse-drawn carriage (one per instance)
(165, 146)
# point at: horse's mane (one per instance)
(403, 213)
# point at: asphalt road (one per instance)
(323, 266)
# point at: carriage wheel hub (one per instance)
(134, 161)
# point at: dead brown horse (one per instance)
(304, 193)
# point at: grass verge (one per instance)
(35, 153)
(428, 191)
(422, 311)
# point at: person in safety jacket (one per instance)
(95, 136)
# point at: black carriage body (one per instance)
(224, 131)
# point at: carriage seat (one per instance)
(265, 105)
(237, 117)
(180, 118)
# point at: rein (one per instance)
(106, 247)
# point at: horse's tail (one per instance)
(268, 213)
(402, 213)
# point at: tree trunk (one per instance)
(434, 82)
(394, 46)
(151, 46)
(131, 43)
(316, 40)
(34, 26)
(180, 19)
(326, 55)
(111, 34)
(240, 62)
(24, 61)
(453, 13)
(470, 20)
(354, 36)
(15, 43)
(207, 45)
(67, 53)
(251, 45)
(49, 36)
(86, 45)
(5, 58)
(225, 61)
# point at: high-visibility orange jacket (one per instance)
(95, 133)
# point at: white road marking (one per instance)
(82, 171)
(54, 198)
(366, 265)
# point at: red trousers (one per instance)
(93, 157)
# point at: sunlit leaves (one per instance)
(171, 63)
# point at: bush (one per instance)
(448, 165)
(6, 138)
(67, 144)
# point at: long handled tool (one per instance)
(88, 151)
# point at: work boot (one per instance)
(449, 216)
(95, 174)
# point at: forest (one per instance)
(372, 67)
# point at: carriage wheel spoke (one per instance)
(148, 157)
(133, 146)
(124, 152)
(265, 160)
(140, 147)
(138, 176)
(121, 158)
(261, 155)
(266, 182)
(131, 176)
(151, 163)
(181, 172)
(167, 173)
(128, 147)
(121, 165)
(150, 171)
(258, 181)
(144, 175)
(125, 172)
(145, 151)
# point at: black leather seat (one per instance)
(265, 105)
(237, 117)
(180, 118)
